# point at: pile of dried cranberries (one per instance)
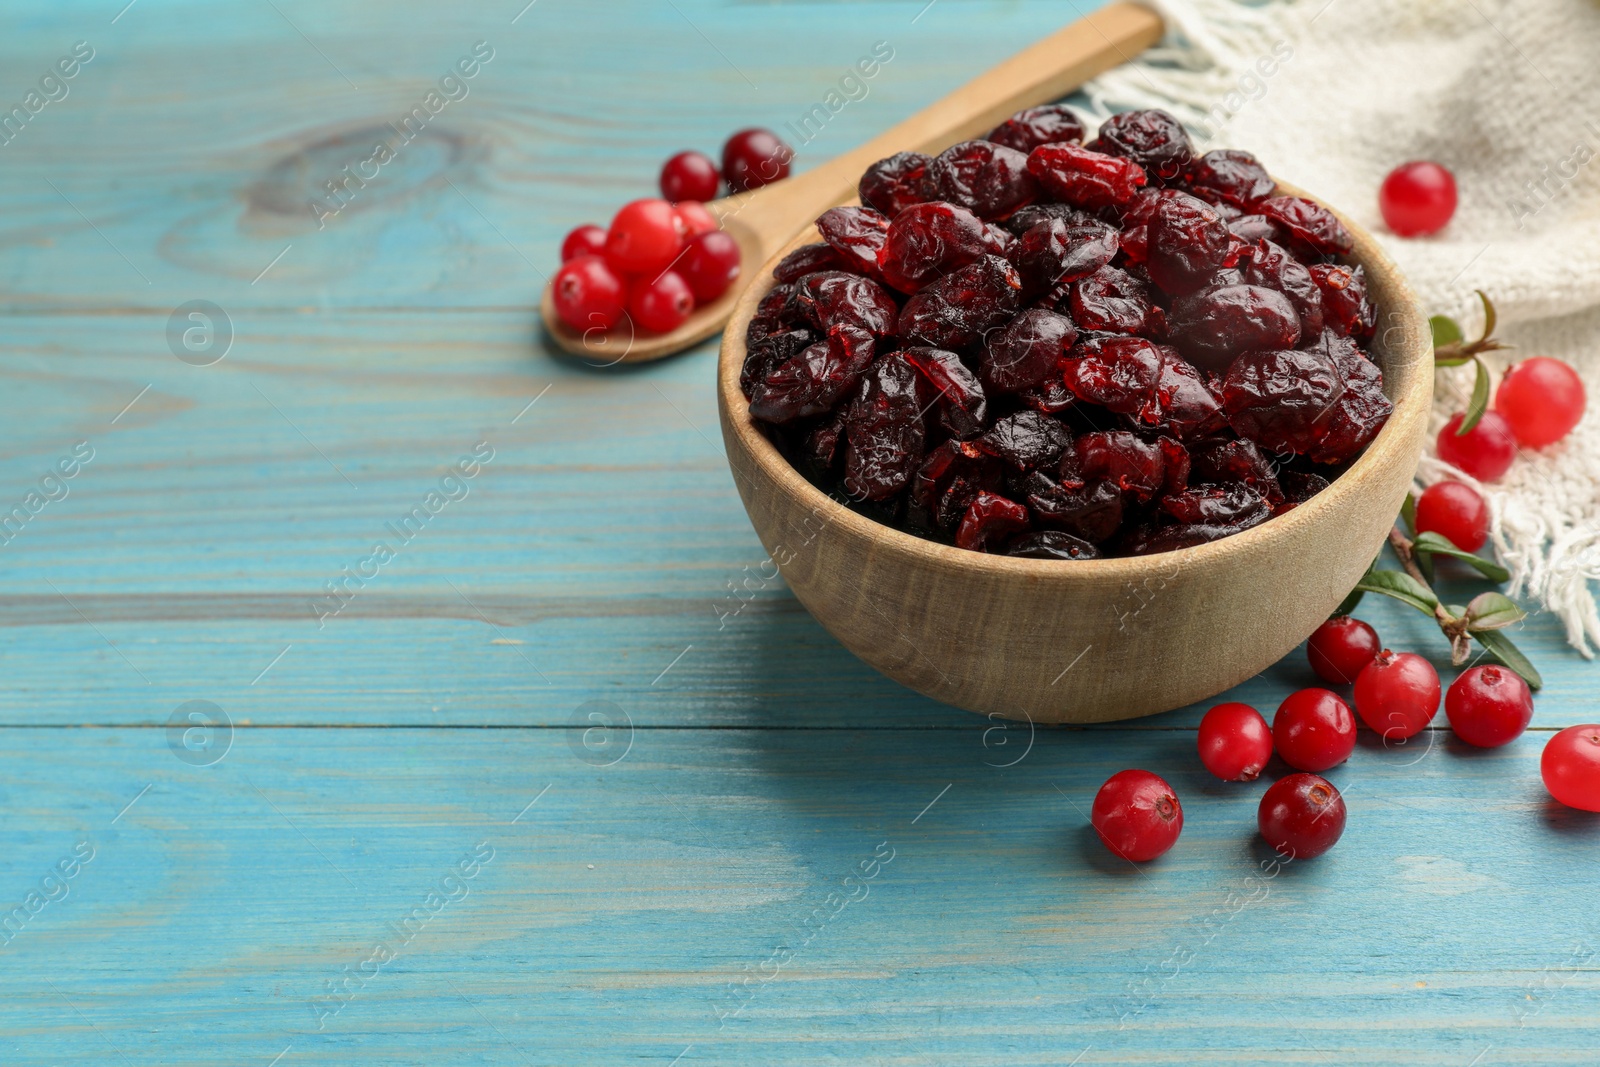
(1033, 346)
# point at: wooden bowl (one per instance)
(1098, 640)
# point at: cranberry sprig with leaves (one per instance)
(1451, 349)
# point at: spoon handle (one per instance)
(1046, 70)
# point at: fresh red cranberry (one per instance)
(1314, 730)
(662, 303)
(588, 294)
(753, 158)
(584, 241)
(644, 238)
(1542, 399)
(1570, 767)
(1137, 815)
(690, 176)
(1397, 694)
(1340, 648)
(1235, 742)
(694, 219)
(1489, 706)
(710, 263)
(1456, 512)
(1417, 198)
(1301, 816)
(1485, 451)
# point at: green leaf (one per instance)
(1493, 611)
(1402, 587)
(1488, 314)
(1445, 330)
(1480, 399)
(1451, 361)
(1503, 649)
(1408, 512)
(1428, 543)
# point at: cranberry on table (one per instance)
(644, 238)
(1489, 706)
(1301, 816)
(1417, 198)
(584, 241)
(1570, 767)
(588, 294)
(1541, 399)
(690, 176)
(1340, 648)
(1397, 694)
(1485, 451)
(1456, 512)
(1314, 730)
(694, 219)
(1235, 742)
(1137, 815)
(662, 303)
(710, 263)
(753, 158)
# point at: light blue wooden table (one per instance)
(403, 850)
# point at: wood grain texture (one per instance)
(766, 763)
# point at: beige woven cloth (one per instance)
(1333, 94)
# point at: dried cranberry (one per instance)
(1132, 464)
(1115, 301)
(1300, 486)
(1230, 176)
(883, 431)
(1271, 267)
(997, 240)
(1092, 512)
(1213, 326)
(765, 354)
(1028, 217)
(990, 517)
(1026, 351)
(831, 298)
(894, 184)
(950, 476)
(807, 259)
(1147, 540)
(1187, 243)
(958, 308)
(1237, 461)
(1309, 223)
(1027, 130)
(1027, 440)
(1234, 505)
(990, 179)
(1153, 139)
(1344, 296)
(857, 234)
(1053, 252)
(1253, 228)
(928, 240)
(1324, 402)
(1083, 178)
(822, 443)
(1052, 544)
(962, 405)
(1051, 398)
(1149, 382)
(816, 379)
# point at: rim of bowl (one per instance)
(1403, 372)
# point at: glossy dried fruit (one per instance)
(894, 184)
(1052, 544)
(814, 380)
(990, 518)
(1187, 242)
(857, 234)
(1115, 301)
(1027, 440)
(765, 354)
(1083, 178)
(962, 405)
(958, 308)
(927, 241)
(1135, 466)
(1028, 217)
(989, 179)
(1309, 223)
(1324, 402)
(1237, 461)
(832, 298)
(1150, 382)
(1091, 511)
(1230, 176)
(1152, 138)
(807, 259)
(1026, 351)
(884, 433)
(1270, 266)
(1235, 505)
(1053, 252)
(1027, 130)
(1344, 298)
(1213, 326)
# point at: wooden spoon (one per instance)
(765, 219)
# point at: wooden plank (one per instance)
(220, 904)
